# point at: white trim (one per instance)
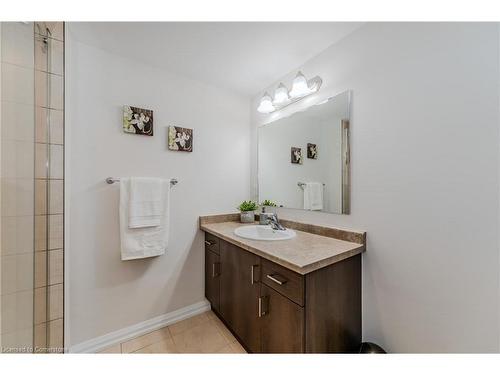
(96, 344)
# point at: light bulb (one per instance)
(266, 104)
(299, 86)
(281, 95)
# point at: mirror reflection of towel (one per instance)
(313, 196)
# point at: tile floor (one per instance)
(203, 333)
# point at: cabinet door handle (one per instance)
(209, 243)
(252, 275)
(214, 273)
(276, 278)
(262, 310)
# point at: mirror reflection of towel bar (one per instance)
(112, 180)
(303, 184)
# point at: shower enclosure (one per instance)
(32, 187)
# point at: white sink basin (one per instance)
(263, 233)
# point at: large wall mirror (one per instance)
(303, 159)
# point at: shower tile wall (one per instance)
(17, 188)
(32, 180)
(49, 185)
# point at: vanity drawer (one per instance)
(284, 281)
(212, 243)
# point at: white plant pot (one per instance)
(247, 216)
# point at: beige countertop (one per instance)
(304, 253)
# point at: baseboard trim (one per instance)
(99, 343)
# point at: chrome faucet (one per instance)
(274, 222)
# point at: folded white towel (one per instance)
(143, 242)
(145, 204)
(313, 196)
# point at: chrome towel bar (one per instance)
(303, 184)
(112, 180)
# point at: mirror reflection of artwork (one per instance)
(320, 157)
(296, 155)
(180, 139)
(312, 151)
(137, 120)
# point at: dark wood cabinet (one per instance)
(239, 293)
(333, 308)
(284, 281)
(282, 323)
(212, 243)
(271, 309)
(212, 278)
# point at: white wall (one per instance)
(106, 294)
(424, 142)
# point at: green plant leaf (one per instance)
(247, 206)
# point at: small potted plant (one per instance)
(247, 209)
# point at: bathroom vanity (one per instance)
(301, 295)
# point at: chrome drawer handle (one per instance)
(209, 243)
(252, 275)
(273, 278)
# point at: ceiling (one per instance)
(244, 57)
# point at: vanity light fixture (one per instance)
(301, 87)
(281, 96)
(266, 104)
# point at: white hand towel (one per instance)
(143, 242)
(145, 204)
(313, 196)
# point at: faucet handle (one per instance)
(274, 222)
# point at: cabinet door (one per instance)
(333, 310)
(282, 323)
(212, 278)
(239, 293)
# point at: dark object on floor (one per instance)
(371, 348)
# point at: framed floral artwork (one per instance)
(296, 155)
(137, 120)
(312, 151)
(180, 139)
